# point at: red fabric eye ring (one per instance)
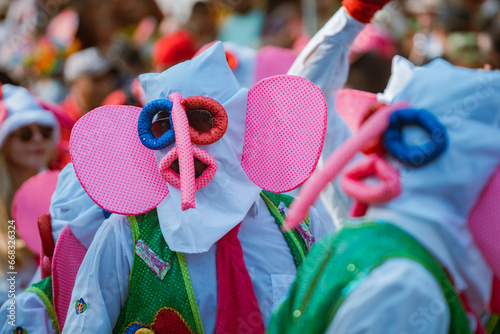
(220, 119)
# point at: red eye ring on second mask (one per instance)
(207, 119)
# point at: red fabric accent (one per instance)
(495, 296)
(468, 309)
(48, 245)
(173, 49)
(232, 61)
(45, 266)
(363, 10)
(3, 110)
(237, 306)
(170, 322)
(358, 209)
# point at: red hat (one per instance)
(173, 49)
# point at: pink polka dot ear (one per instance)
(484, 223)
(284, 132)
(117, 171)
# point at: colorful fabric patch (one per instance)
(306, 234)
(20, 330)
(282, 208)
(158, 266)
(80, 306)
(167, 320)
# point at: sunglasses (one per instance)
(26, 133)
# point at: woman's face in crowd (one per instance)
(30, 147)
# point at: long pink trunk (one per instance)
(185, 152)
(373, 128)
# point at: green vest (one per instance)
(339, 263)
(44, 290)
(160, 290)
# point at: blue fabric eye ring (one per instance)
(415, 156)
(146, 135)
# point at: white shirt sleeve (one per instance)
(399, 297)
(325, 62)
(325, 59)
(103, 279)
(28, 312)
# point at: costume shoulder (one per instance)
(341, 263)
(102, 283)
(385, 292)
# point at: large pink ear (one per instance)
(354, 106)
(30, 201)
(118, 172)
(68, 256)
(284, 132)
(484, 223)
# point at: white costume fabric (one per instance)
(70, 205)
(103, 278)
(435, 200)
(230, 198)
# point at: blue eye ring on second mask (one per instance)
(145, 125)
(415, 156)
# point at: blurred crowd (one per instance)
(76, 53)
(73, 56)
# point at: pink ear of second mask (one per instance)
(118, 172)
(352, 106)
(484, 223)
